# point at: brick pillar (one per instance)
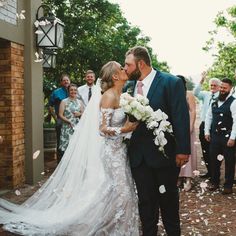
(12, 151)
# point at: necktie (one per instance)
(211, 99)
(140, 88)
(89, 93)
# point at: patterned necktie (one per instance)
(89, 93)
(140, 88)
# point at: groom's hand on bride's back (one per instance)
(181, 159)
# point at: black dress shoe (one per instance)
(227, 191)
(213, 187)
(205, 176)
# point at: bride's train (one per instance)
(91, 191)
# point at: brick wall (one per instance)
(12, 151)
(8, 11)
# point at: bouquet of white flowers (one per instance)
(138, 109)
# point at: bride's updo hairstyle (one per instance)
(106, 73)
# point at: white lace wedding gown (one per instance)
(90, 193)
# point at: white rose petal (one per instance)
(36, 154)
(203, 184)
(38, 32)
(17, 192)
(196, 172)
(36, 23)
(162, 189)
(42, 22)
(220, 157)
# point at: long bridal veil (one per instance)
(63, 204)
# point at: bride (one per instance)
(91, 192)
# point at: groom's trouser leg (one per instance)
(169, 200)
(148, 180)
(148, 196)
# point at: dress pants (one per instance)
(219, 146)
(205, 148)
(148, 181)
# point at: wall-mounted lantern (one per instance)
(50, 30)
(49, 59)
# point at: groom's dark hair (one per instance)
(140, 53)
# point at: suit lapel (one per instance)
(154, 84)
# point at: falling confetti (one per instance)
(162, 189)
(36, 23)
(220, 157)
(38, 32)
(36, 154)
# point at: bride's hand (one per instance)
(129, 126)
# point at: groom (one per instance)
(156, 175)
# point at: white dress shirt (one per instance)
(147, 81)
(83, 92)
(205, 98)
(208, 120)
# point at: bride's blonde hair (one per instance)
(106, 73)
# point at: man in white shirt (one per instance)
(206, 97)
(85, 91)
(220, 131)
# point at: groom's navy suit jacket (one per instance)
(166, 93)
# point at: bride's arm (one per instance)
(108, 103)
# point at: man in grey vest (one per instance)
(220, 131)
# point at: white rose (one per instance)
(123, 102)
(127, 108)
(137, 115)
(134, 104)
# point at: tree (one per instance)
(225, 61)
(95, 32)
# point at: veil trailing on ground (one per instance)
(53, 209)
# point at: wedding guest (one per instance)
(220, 131)
(54, 102)
(187, 170)
(70, 111)
(85, 91)
(206, 97)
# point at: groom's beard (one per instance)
(135, 75)
(223, 96)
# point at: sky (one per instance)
(178, 30)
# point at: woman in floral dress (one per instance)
(70, 110)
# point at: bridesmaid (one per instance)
(186, 172)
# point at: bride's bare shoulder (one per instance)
(108, 99)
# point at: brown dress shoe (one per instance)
(227, 191)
